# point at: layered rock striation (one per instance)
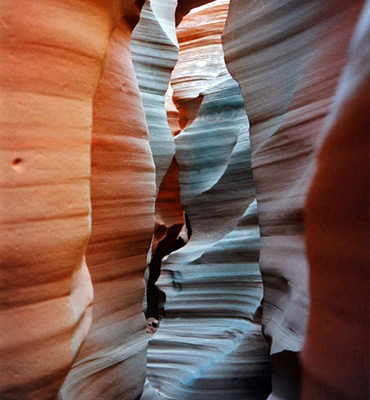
(211, 331)
(52, 56)
(287, 58)
(154, 54)
(76, 158)
(112, 361)
(155, 51)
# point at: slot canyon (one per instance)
(184, 202)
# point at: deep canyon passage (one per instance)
(184, 200)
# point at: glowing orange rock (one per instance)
(52, 56)
(112, 361)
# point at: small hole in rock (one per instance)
(16, 161)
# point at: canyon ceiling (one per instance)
(201, 165)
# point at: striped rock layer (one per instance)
(52, 56)
(75, 159)
(112, 361)
(154, 54)
(286, 57)
(210, 343)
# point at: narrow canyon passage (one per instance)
(201, 165)
(210, 344)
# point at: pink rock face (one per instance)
(52, 55)
(287, 58)
(112, 361)
(336, 355)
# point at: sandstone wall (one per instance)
(112, 361)
(336, 355)
(287, 58)
(210, 343)
(154, 54)
(52, 55)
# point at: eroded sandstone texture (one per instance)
(287, 58)
(112, 361)
(154, 53)
(210, 343)
(52, 54)
(71, 114)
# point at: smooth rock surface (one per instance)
(112, 361)
(52, 54)
(287, 57)
(210, 343)
(336, 354)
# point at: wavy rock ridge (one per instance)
(113, 358)
(154, 54)
(213, 286)
(287, 58)
(52, 56)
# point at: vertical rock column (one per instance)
(154, 54)
(52, 54)
(336, 355)
(287, 57)
(210, 343)
(112, 361)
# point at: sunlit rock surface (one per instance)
(52, 55)
(154, 54)
(112, 361)
(336, 355)
(210, 343)
(287, 57)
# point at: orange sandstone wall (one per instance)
(112, 361)
(52, 54)
(287, 57)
